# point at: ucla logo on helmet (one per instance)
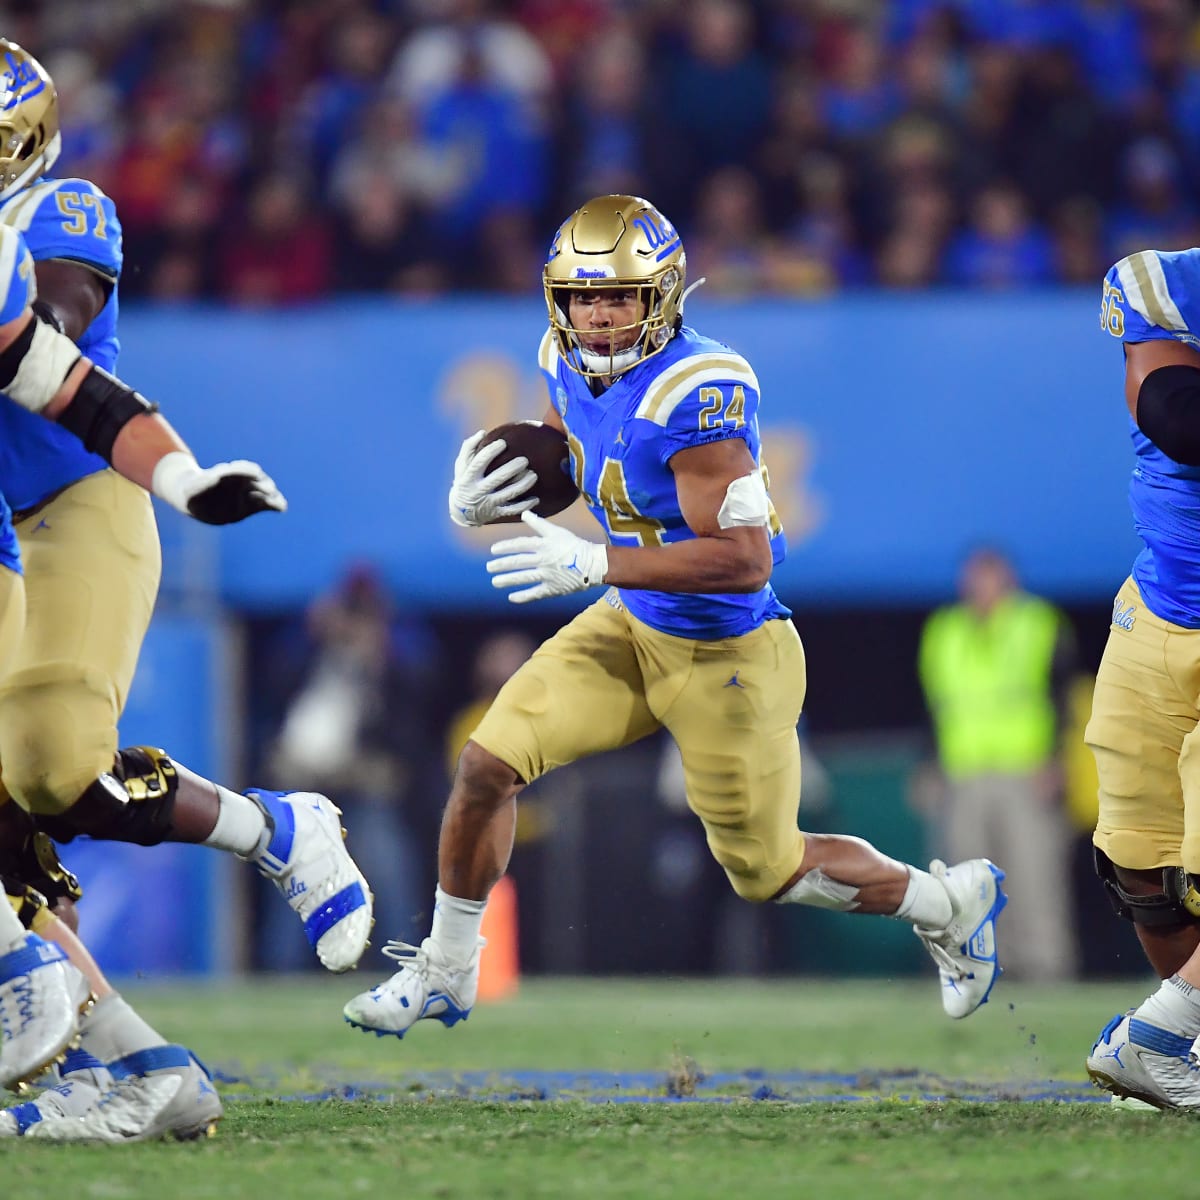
(593, 273)
(658, 232)
(15, 79)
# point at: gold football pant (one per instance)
(12, 615)
(1144, 734)
(92, 565)
(606, 679)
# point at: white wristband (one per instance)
(174, 479)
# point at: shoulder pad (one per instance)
(681, 378)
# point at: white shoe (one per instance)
(308, 862)
(1136, 1060)
(424, 987)
(41, 997)
(72, 1088)
(965, 951)
(157, 1093)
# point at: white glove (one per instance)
(479, 499)
(554, 561)
(217, 495)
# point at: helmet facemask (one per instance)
(615, 243)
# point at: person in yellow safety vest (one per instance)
(992, 667)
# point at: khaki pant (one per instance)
(1144, 735)
(92, 566)
(606, 679)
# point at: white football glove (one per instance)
(479, 499)
(554, 561)
(217, 495)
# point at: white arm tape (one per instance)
(175, 478)
(745, 502)
(46, 364)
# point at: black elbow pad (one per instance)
(1168, 412)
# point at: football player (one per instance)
(662, 425)
(92, 566)
(41, 992)
(1145, 725)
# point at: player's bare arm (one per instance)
(1162, 390)
(723, 557)
(43, 371)
(70, 296)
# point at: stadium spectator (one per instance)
(994, 668)
(497, 117)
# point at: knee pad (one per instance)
(135, 803)
(1177, 905)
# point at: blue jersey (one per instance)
(1155, 295)
(16, 291)
(694, 391)
(71, 220)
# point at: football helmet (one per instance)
(30, 140)
(614, 242)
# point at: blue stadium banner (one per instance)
(898, 432)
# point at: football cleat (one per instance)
(1138, 1061)
(425, 987)
(73, 1087)
(965, 951)
(41, 998)
(157, 1093)
(308, 862)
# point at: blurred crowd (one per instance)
(274, 151)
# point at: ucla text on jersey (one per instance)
(1149, 296)
(694, 391)
(74, 221)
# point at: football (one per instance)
(549, 459)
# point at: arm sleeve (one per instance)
(711, 412)
(75, 221)
(1142, 298)
(16, 275)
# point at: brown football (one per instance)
(549, 459)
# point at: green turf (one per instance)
(284, 1038)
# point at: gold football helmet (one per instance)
(616, 242)
(30, 140)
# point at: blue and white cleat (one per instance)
(965, 951)
(307, 859)
(161, 1092)
(1138, 1061)
(425, 987)
(41, 998)
(71, 1089)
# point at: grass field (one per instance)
(620, 1088)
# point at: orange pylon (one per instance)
(499, 964)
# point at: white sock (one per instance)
(240, 823)
(926, 902)
(1175, 1007)
(456, 925)
(111, 1029)
(12, 932)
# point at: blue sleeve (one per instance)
(1149, 296)
(711, 412)
(76, 221)
(16, 275)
